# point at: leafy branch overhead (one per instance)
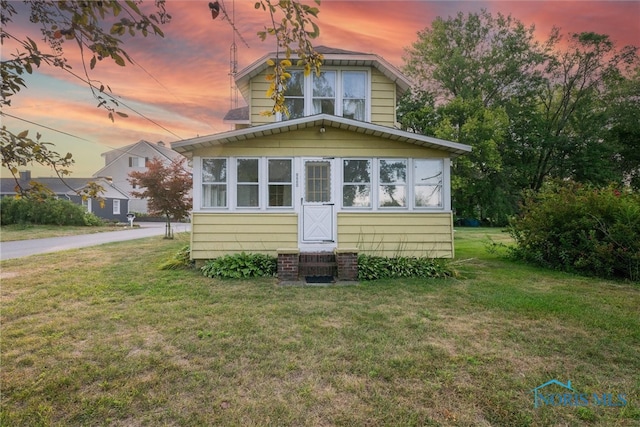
(98, 30)
(82, 22)
(294, 33)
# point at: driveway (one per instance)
(22, 248)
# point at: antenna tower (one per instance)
(233, 49)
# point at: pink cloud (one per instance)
(182, 82)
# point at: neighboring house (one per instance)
(115, 201)
(120, 162)
(335, 175)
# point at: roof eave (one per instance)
(186, 146)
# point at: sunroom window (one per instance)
(280, 185)
(392, 178)
(248, 190)
(356, 188)
(427, 183)
(214, 183)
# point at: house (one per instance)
(115, 202)
(335, 176)
(119, 162)
(113, 206)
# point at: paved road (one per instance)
(24, 248)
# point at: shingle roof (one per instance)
(237, 115)
(7, 185)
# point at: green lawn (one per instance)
(100, 336)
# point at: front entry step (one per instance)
(341, 265)
(318, 267)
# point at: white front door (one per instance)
(318, 209)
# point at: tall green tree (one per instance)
(570, 104)
(550, 111)
(477, 56)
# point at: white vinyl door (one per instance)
(318, 208)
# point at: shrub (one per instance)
(241, 266)
(180, 260)
(47, 210)
(575, 228)
(377, 267)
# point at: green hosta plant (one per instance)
(241, 266)
(377, 267)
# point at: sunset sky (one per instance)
(179, 86)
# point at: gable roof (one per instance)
(326, 120)
(332, 56)
(110, 191)
(131, 149)
(237, 115)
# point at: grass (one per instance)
(99, 337)
(9, 233)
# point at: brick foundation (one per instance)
(288, 265)
(347, 260)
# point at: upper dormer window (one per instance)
(337, 92)
(324, 92)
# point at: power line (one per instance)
(44, 126)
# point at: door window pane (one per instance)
(428, 183)
(393, 188)
(318, 181)
(356, 189)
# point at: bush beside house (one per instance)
(580, 229)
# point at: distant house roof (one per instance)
(237, 115)
(332, 56)
(58, 186)
(110, 190)
(66, 187)
(131, 149)
(326, 120)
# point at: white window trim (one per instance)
(297, 175)
(264, 193)
(233, 178)
(371, 184)
(201, 183)
(308, 93)
(408, 191)
(116, 203)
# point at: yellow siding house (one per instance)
(335, 175)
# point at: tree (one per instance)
(532, 111)
(167, 188)
(570, 99)
(98, 29)
(476, 56)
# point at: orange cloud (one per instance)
(181, 81)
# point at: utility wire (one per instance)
(44, 126)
